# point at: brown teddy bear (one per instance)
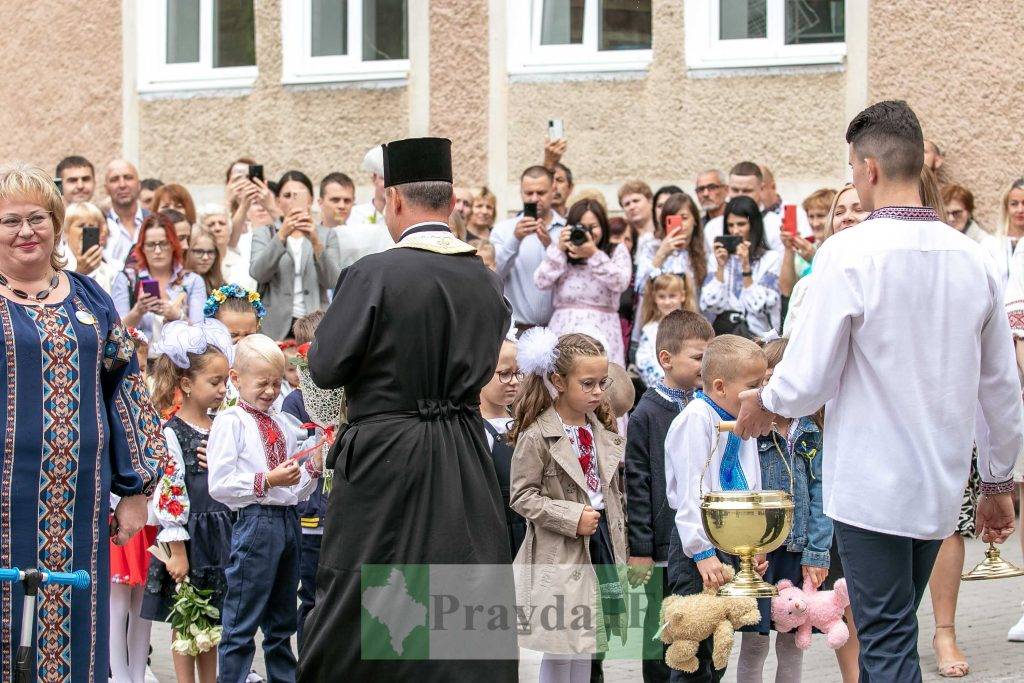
(686, 621)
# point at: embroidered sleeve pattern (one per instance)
(172, 504)
(117, 348)
(141, 424)
(259, 484)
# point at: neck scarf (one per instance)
(678, 396)
(730, 472)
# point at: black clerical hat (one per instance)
(417, 160)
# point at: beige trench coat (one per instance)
(553, 567)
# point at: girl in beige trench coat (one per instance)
(565, 481)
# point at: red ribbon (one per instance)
(328, 439)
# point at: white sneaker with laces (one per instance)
(151, 677)
(1016, 633)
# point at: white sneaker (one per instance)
(151, 677)
(253, 677)
(1016, 633)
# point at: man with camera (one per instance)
(519, 245)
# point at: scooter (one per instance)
(31, 579)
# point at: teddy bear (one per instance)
(803, 610)
(687, 620)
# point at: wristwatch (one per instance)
(747, 273)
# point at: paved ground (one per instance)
(987, 609)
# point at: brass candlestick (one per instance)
(992, 567)
(745, 524)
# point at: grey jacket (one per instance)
(273, 268)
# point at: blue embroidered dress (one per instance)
(77, 426)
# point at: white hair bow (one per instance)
(180, 338)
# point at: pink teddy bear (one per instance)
(800, 610)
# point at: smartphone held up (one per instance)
(730, 242)
(556, 129)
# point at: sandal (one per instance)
(952, 668)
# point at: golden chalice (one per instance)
(745, 524)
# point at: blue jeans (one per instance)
(262, 579)
(886, 576)
(307, 575)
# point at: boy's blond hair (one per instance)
(258, 348)
(725, 357)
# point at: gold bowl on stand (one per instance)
(745, 524)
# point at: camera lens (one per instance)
(578, 235)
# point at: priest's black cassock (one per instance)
(413, 334)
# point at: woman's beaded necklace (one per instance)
(54, 282)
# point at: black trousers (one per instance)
(886, 576)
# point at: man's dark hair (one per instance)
(75, 162)
(679, 327)
(747, 168)
(567, 171)
(336, 178)
(890, 133)
(435, 195)
(152, 184)
(537, 172)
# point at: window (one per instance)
(196, 44)
(551, 36)
(753, 33)
(344, 40)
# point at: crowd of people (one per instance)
(224, 299)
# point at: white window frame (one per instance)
(527, 56)
(704, 50)
(298, 66)
(156, 75)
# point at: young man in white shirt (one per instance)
(903, 335)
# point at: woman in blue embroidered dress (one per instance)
(77, 426)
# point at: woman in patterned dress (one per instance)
(77, 426)
(588, 279)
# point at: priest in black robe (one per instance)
(413, 334)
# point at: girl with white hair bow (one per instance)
(190, 380)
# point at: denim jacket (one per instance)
(812, 530)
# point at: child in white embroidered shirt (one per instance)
(730, 365)
(251, 472)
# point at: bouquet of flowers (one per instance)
(191, 619)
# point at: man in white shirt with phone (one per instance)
(904, 334)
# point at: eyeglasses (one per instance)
(589, 385)
(506, 377)
(156, 246)
(711, 187)
(13, 221)
(204, 253)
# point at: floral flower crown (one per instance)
(222, 294)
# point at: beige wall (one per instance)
(459, 69)
(61, 88)
(959, 66)
(316, 129)
(666, 126)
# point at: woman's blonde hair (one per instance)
(649, 311)
(832, 209)
(931, 195)
(21, 181)
(1004, 225)
(83, 211)
(534, 397)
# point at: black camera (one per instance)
(578, 236)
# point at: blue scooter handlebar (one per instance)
(76, 579)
